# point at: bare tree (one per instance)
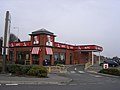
(13, 38)
(1, 39)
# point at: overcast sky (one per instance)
(73, 21)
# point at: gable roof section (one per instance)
(42, 31)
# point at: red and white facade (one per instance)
(42, 47)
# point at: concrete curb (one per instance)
(93, 72)
(40, 82)
(35, 82)
(27, 82)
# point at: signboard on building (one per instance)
(36, 40)
(49, 40)
(19, 44)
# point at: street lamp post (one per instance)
(6, 40)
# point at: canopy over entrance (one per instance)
(88, 48)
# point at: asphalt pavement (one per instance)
(81, 80)
(52, 79)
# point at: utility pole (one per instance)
(6, 41)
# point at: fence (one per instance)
(56, 69)
(87, 65)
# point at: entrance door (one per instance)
(35, 59)
(47, 60)
(70, 58)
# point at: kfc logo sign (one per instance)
(36, 40)
(49, 41)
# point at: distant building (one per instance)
(42, 49)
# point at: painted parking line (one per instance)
(81, 71)
(61, 84)
(73, 84)
(11, 84)
(98, 76)
(72, 72)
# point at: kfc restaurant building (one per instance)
(43, 50)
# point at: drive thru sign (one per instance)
(105, 66)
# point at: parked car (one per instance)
(117, 60)
(111, 63)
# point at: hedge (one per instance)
(16, 69)
(0, 68)
(38, 71)
(24, 69)
(111, 71)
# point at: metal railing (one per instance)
(87, 65)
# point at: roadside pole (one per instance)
(5, 41)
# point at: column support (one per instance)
(92, 58)
(99, 58)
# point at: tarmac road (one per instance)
(80, 81)
(84, 81)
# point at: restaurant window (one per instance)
(11, 57)
(62, 58)
(21, 57)
(59, 58)
(35, 59)
(70, 58)
(56, 58)
(27, 59)
(27, 56)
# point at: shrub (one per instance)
(0, 68)
(38, 71)
(111, 71)
(18, 69)
(25, 69)
(14, 69)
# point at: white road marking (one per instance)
(72, 84)
(61, 84)
(98, 76)
(81, 71)
(83, 83)
(75, 68)
(72, 72)
(11, 84)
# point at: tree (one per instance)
(13, 38)
(116, 58)
(1, 39)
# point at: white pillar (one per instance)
(99, 58)
(92, 58)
